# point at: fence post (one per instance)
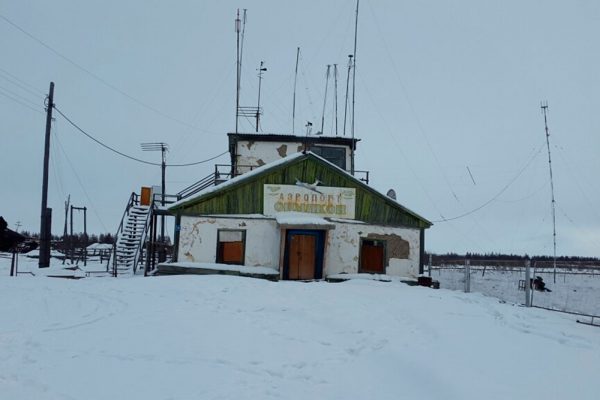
(527, 283)
(429, 267)
(467, 276)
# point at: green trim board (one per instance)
(244, 194)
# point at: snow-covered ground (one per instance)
(223, 337)
(574, 290)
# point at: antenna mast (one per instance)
(544, 106)
(347, 87)
(240, 49)
(354, 90)
(325, 99)
(294, 102)
(335, 77)
(237, 82)
(261, 69)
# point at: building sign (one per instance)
(321, 200)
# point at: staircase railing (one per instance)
(139, 251)
(133, 200)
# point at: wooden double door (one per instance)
(303, 257)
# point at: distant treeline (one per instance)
(437, 258)
(78, 239)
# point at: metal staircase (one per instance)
(130, 237)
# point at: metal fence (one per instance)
(576, 289)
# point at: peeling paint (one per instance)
(396, 247)
(260, 162)
(282, 150)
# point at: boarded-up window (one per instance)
(231, 247)
(372, 256)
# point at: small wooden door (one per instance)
(304, 255)
(372, 256)
(145, 196)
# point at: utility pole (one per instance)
(544, 107)
(163, 148)
(65, 229)
(46, 214)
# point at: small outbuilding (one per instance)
(302, 216)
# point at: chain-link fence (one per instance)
(571, 287)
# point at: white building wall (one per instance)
(198, 239)
(261, 153)
(343, 249)
(198, 243)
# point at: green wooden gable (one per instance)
(244, 194)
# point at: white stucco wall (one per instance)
(260, 153)
(198, 239)
(342, 250)
(198, 243)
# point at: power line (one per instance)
(128, 156)
(20, 102)
(20, 83)
(98, 78)
(499, 193)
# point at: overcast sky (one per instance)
(447, 105)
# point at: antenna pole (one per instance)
(347, 87)
(544, 107)
(294, 101)
(238, 65)
(325, 99)
(261, 69)
(354, 90)
(335, 76)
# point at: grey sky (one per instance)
(441, 86)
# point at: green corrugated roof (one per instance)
(244, 194)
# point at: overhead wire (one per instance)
(412, 108)
(20, 97)
(128, 156)
(499, 193)
(16, 100)
(93, 207)
(98, 78)
(32, 89)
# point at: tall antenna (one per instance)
(325, 99)
(354, 90)
(335, 77)
(347, 86)
(238, 67)
(294, 102)
(544, 106)
(239, 54)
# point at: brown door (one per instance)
(372, 256)
(302, 257)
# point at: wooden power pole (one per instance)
(46, 216)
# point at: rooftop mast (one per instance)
(354, 89)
